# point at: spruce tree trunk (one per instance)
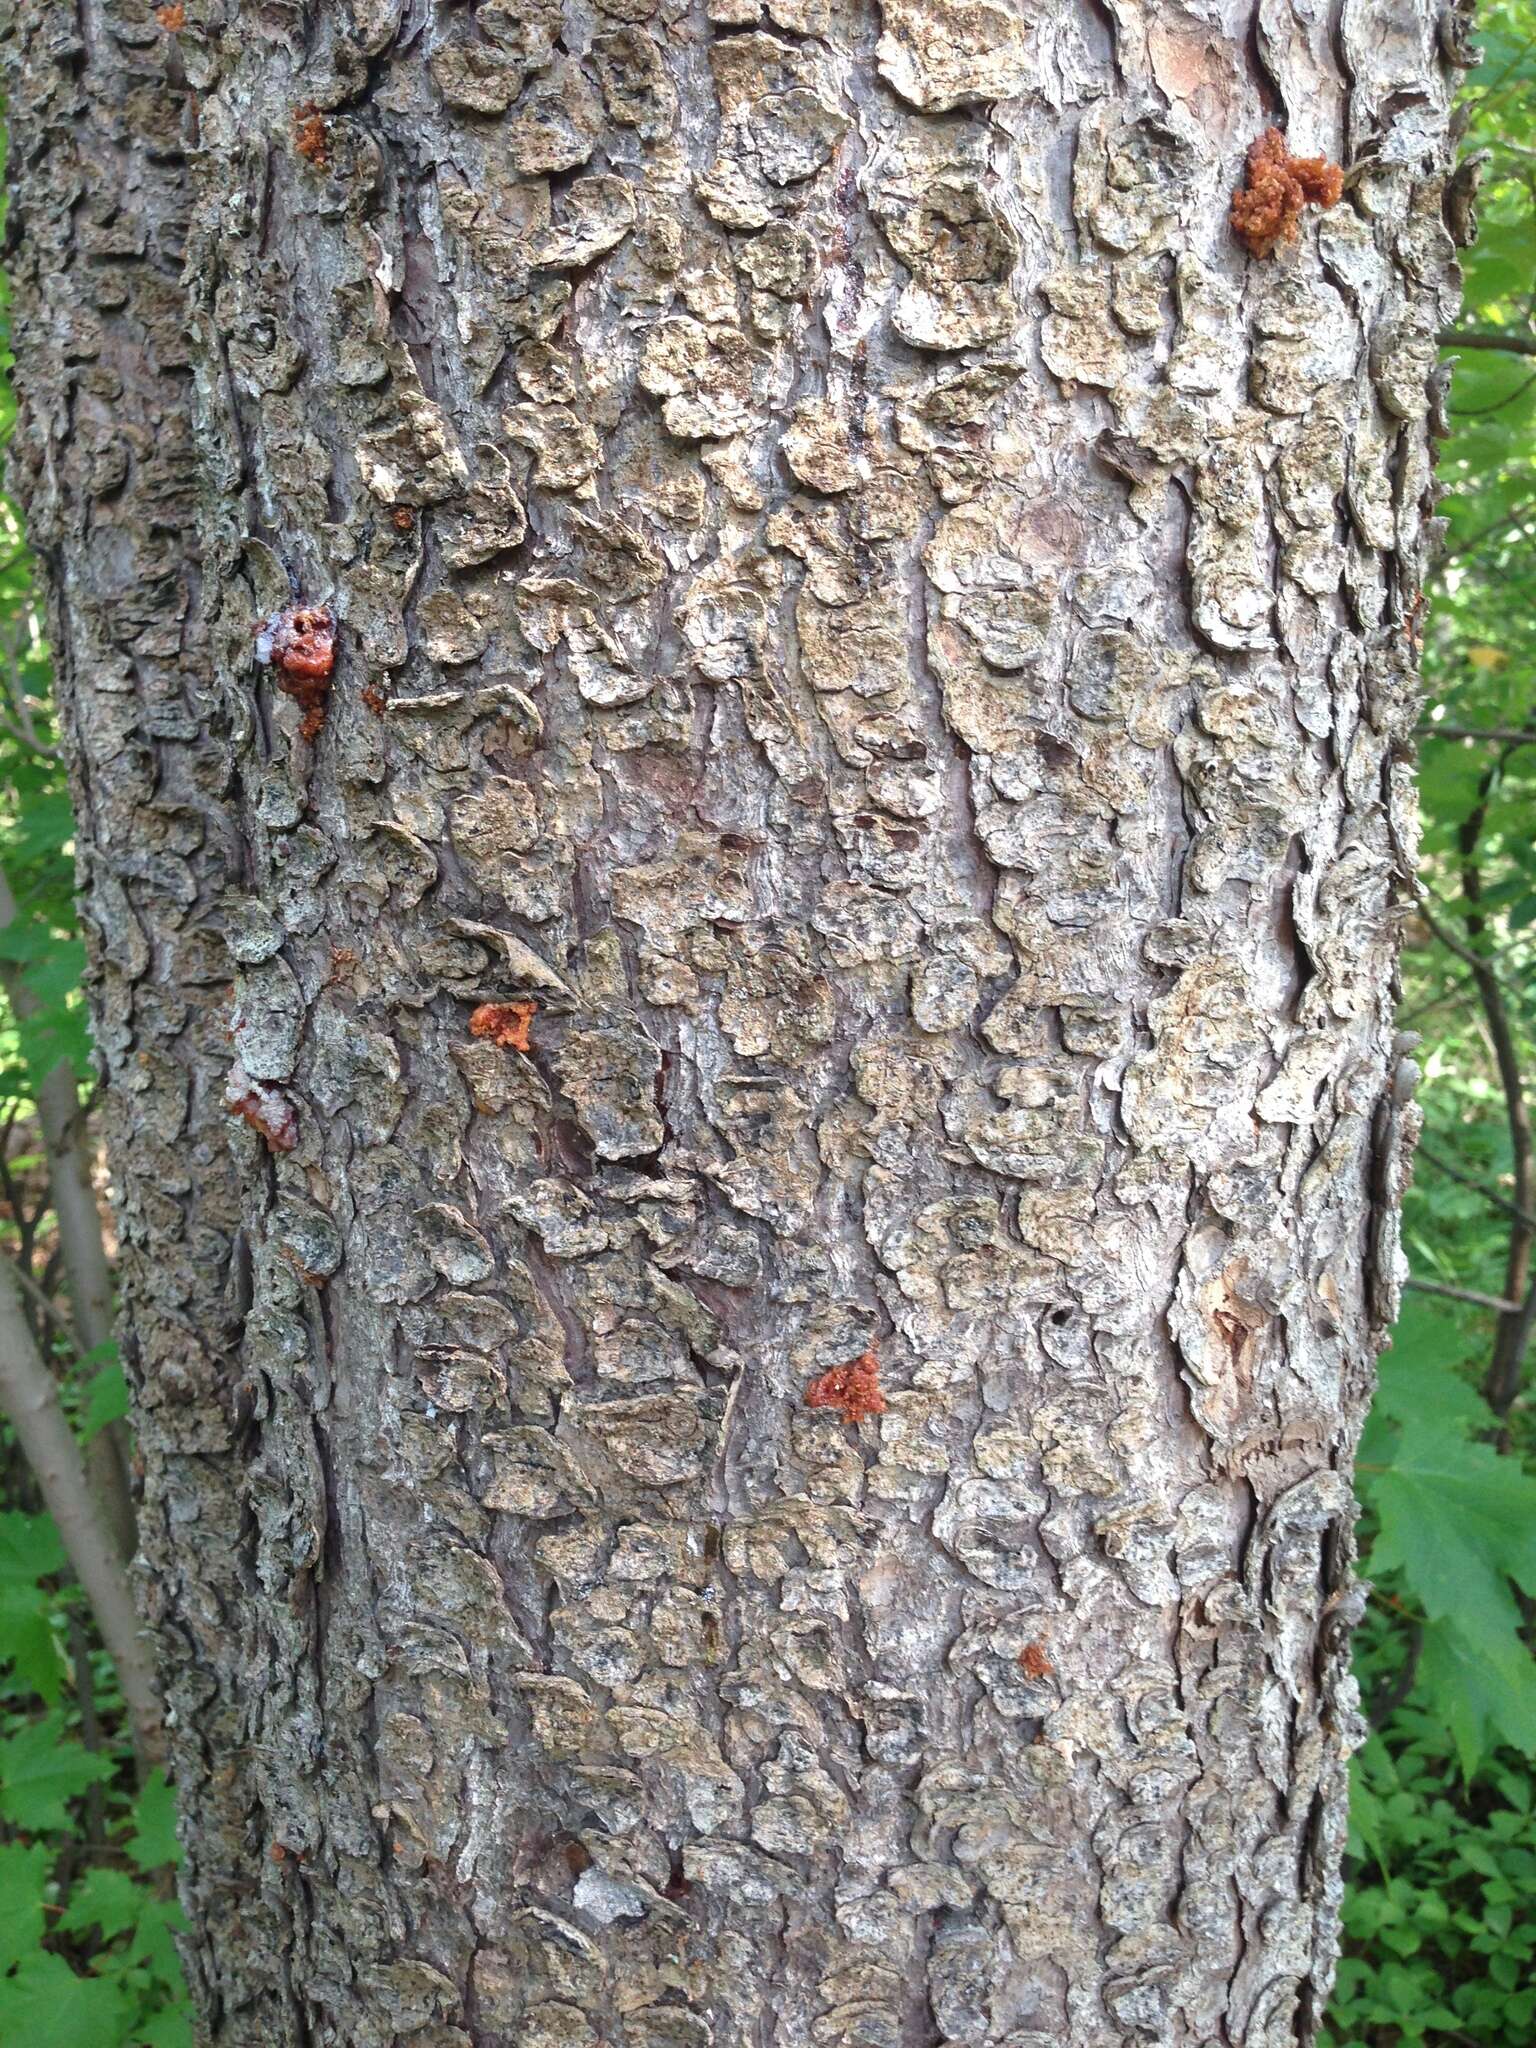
(812, 1037)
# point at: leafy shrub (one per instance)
(1439, 1937)
(86, 1952)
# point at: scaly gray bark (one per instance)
(102, 460)
(883, 643)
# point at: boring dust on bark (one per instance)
(848, 847)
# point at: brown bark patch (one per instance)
(505, 1024)
(854, 1389)
(1266, 209)
(1033, 1661)
(172, 18)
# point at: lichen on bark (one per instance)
(894, 637)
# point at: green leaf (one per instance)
(23, 1875)
(29, 1549)
(57, 1033)
(152, 1942)
(45, 827)
(111, 1900)
(169, 2029)
(1479, 1698)
(45, 2005)
(41, 1770)
(154, 1843)
(105, 1400)
(29, 1552)
(1459, 1520)
(1419, 1380)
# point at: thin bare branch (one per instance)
(87, 1276)
(1497, 1302)
(45, 1304)
(1447, 994)
(30, 1399)
(1490, 1195)
(1508, 340)
(90, 1728)
(29, 740)
(1393, 1695)
(1482, 412)
(1506, 1368)
(1495, 735)
(1492, 530)
(1478, 962)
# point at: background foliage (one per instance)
(1439, 1922)
(1440, 1919)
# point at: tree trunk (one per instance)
(103, 463)
(820, 1123)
